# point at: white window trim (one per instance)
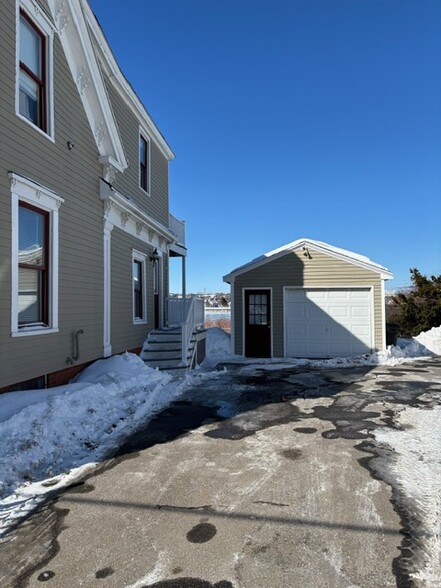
(25, 190)
(142, 257)
(143, 133)
(36, 15)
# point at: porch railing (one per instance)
(177, 227)
(190, 314)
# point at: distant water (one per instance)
(215, 315)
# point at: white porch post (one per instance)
(184, 289)
(107, 347)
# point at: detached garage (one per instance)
(308, 299)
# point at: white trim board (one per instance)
(337, 253)
(74, 36)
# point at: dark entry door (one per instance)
(258, 323)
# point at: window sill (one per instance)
(139, 321)
(34, 126)
(27, 331)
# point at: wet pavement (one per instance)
(253, 479)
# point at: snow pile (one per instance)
(70, 426)
(424, 345)
(414, 471)
(218, 347)
(431, 340)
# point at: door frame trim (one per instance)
(245, 289)
(369, 287)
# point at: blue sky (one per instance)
(289, 119)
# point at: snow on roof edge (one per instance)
(321, 245)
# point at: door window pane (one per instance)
(257, 309)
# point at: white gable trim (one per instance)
(123, 87)
(341, 254)
(72, 29)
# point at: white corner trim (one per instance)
(233, 320)
(383, 316)
(24, 189)
(107, 248)
(43, 23)
(72, 28)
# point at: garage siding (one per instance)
(294, 269)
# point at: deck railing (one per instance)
(177, 227)
(190, 314)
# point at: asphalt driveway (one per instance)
(256, 479)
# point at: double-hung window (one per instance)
(34, 267)
(144, 162)
(34, 68)
(139, 287)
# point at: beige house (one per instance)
(308, 299)
(85, 228)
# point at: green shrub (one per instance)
(419, 309)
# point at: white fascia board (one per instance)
(117, 78)
(341, 254)
(133, 219)
(72, 29)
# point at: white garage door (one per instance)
(331, 322)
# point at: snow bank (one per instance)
(424, 345)
(218, 346)
(431, 340)
(414, 471)
(71, 426)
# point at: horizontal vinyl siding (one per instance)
(73, 175)
(294, 269)
(123, 333)
(156, 203)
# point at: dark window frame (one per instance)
(138, 292)
(44, 268)
(144, 164)
(41, 82)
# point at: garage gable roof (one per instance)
(337, 252)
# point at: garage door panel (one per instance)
(360, 311)
(295, 295)
(338, 294)
(328, 322)
(316, 295)
(361, 294)
(338, 311)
